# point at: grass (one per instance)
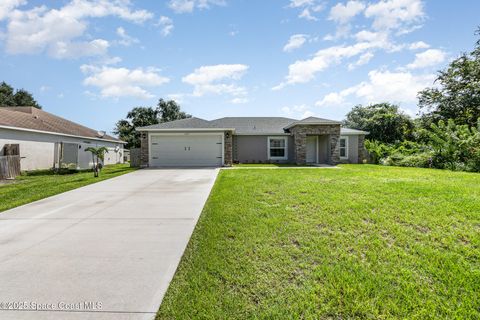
(250, 165)
(38, 185)
(366, 241)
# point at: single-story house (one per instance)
(221, 142)
(44, 140)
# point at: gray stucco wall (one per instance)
(248, 149)
(37, 149)
(353, 149)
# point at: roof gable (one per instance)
(312, 121)
(35, 119)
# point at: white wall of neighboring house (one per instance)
(37, 150)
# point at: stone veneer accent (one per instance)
(362, 155)
(228, 148)
(300, 133)
(143, 150)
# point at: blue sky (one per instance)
(93, 60)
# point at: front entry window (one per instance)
(277, 148)
(343, 148)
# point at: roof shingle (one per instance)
(246, 125)
(36, 119)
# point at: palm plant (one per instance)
(98, 153)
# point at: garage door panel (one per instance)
(190, 150)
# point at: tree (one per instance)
(457, 92)
(170, 111)
(384, 121)
(6, 95)
(98, 153)
(20, 98)
(455, 147)
(146, 116)
(25, 98)
(137, 117)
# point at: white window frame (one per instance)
(346, 147)
(284, 138)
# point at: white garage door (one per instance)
(186, 150)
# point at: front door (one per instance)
(311, 149)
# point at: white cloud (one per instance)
(6, 6)
(300, 111)
(364, 59)
(166, 25)
(389, 19)
(394, 14)
(187, 6)
(301, 3)
(44, 88)
(396, 87)
(295, 42)
(62, 50)
(418, 45)
(178, 97)
(342, 13)
(239, 100)
(303, 71)
(331, 99)
(110, 60)
(217, 79)
(122, 82)
(427, 58)
(59, 32)
(125, 39)
(307, 7)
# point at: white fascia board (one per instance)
(354, 134)
(264, 134)
(311, 124)
(357, 133)
(60, 134)
(187, 129)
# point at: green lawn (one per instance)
(39, 185)
(360, 242)
(262, 165)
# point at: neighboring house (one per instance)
(46, 141)
(198, 142)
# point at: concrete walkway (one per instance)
(104, 251)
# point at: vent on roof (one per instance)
(101, 134)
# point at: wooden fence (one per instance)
(9, 167)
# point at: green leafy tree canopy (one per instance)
(19, 98)
(456, 95)
(145, 116)
(385, 122)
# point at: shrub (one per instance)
(421, 160)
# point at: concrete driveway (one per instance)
(104, 251)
